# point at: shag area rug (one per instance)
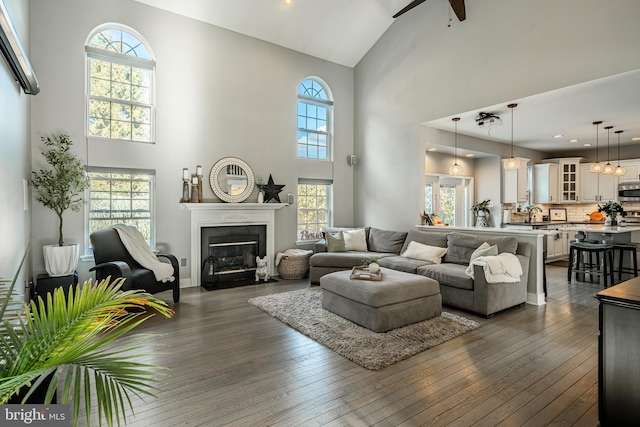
(302, 310)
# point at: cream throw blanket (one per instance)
(133, 240)
(502, 268)
(294, 252)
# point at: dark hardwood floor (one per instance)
(230, 364)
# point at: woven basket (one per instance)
(294, 266)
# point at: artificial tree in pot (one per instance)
(59, 188)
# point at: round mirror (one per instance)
(231, 180)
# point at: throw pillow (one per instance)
(484, 250)
(335, 242)
(417, 250)
(355, 240)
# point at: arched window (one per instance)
(315, 112)
(120, 89)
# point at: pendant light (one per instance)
(596, 167)
(608, 168)
(455, 168)
(620, 170)
(512, 164)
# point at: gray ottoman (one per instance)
(397, 300)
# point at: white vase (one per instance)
(374, 267)
(260, 197)
(61, 260)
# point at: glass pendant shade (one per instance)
(596, 167)
(608, 169)
(512, 164)
(620, 171)
(455, 169)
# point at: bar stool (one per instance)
(620, 249)
(577, 264)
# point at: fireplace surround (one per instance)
(207, 215)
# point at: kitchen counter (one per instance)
(601, 228)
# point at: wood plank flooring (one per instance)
(230, 364)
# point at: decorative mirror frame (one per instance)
(220, 166)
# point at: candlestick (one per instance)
(194, 190)
(199, 188)
(185, 191)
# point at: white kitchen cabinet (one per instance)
(596, 187)
(545, 183)
(515, 184)
(557, 242)
(633, 170)
(569, 180)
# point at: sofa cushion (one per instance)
(342, 259)
(355, 240)
(452, 275)
(335, 242)
(431, 239)
(460, 246)
(416, 250)
(400, 263)
(385, 241)
(484, 250)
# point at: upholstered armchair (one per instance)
(113, 259)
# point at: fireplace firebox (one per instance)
(229, 255)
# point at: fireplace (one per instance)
(216, 215)
(228, 254)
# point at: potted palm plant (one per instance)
(59, 188)
(71, 342)
(481, 211)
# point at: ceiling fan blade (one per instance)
(458, 8)
(413, 4)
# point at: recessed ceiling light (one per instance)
(288, 1)
(432, 149)
(469, 155)
(574, 140)
(635, 139)
(558, 135)
(586, 145)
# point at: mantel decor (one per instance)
(232, 180)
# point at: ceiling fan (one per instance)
(456, 5)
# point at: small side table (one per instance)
(46, 284)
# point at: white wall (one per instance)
(219, 94)
(15, 160)
(421, 70)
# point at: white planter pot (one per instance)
(61, 260)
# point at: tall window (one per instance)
(121, 196)
(119, 89)
(315, 110)
(314, 201)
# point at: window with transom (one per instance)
(120, 91)
(315, 111)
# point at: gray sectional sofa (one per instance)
(456, 287)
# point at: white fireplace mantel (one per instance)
(229, 214)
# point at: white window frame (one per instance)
(329, 207)
(152, 202)
(328, 104)
(122, 59)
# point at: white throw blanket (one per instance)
(502, 268)
(294, 252)
(134, 242)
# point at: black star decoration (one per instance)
(272, 191)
